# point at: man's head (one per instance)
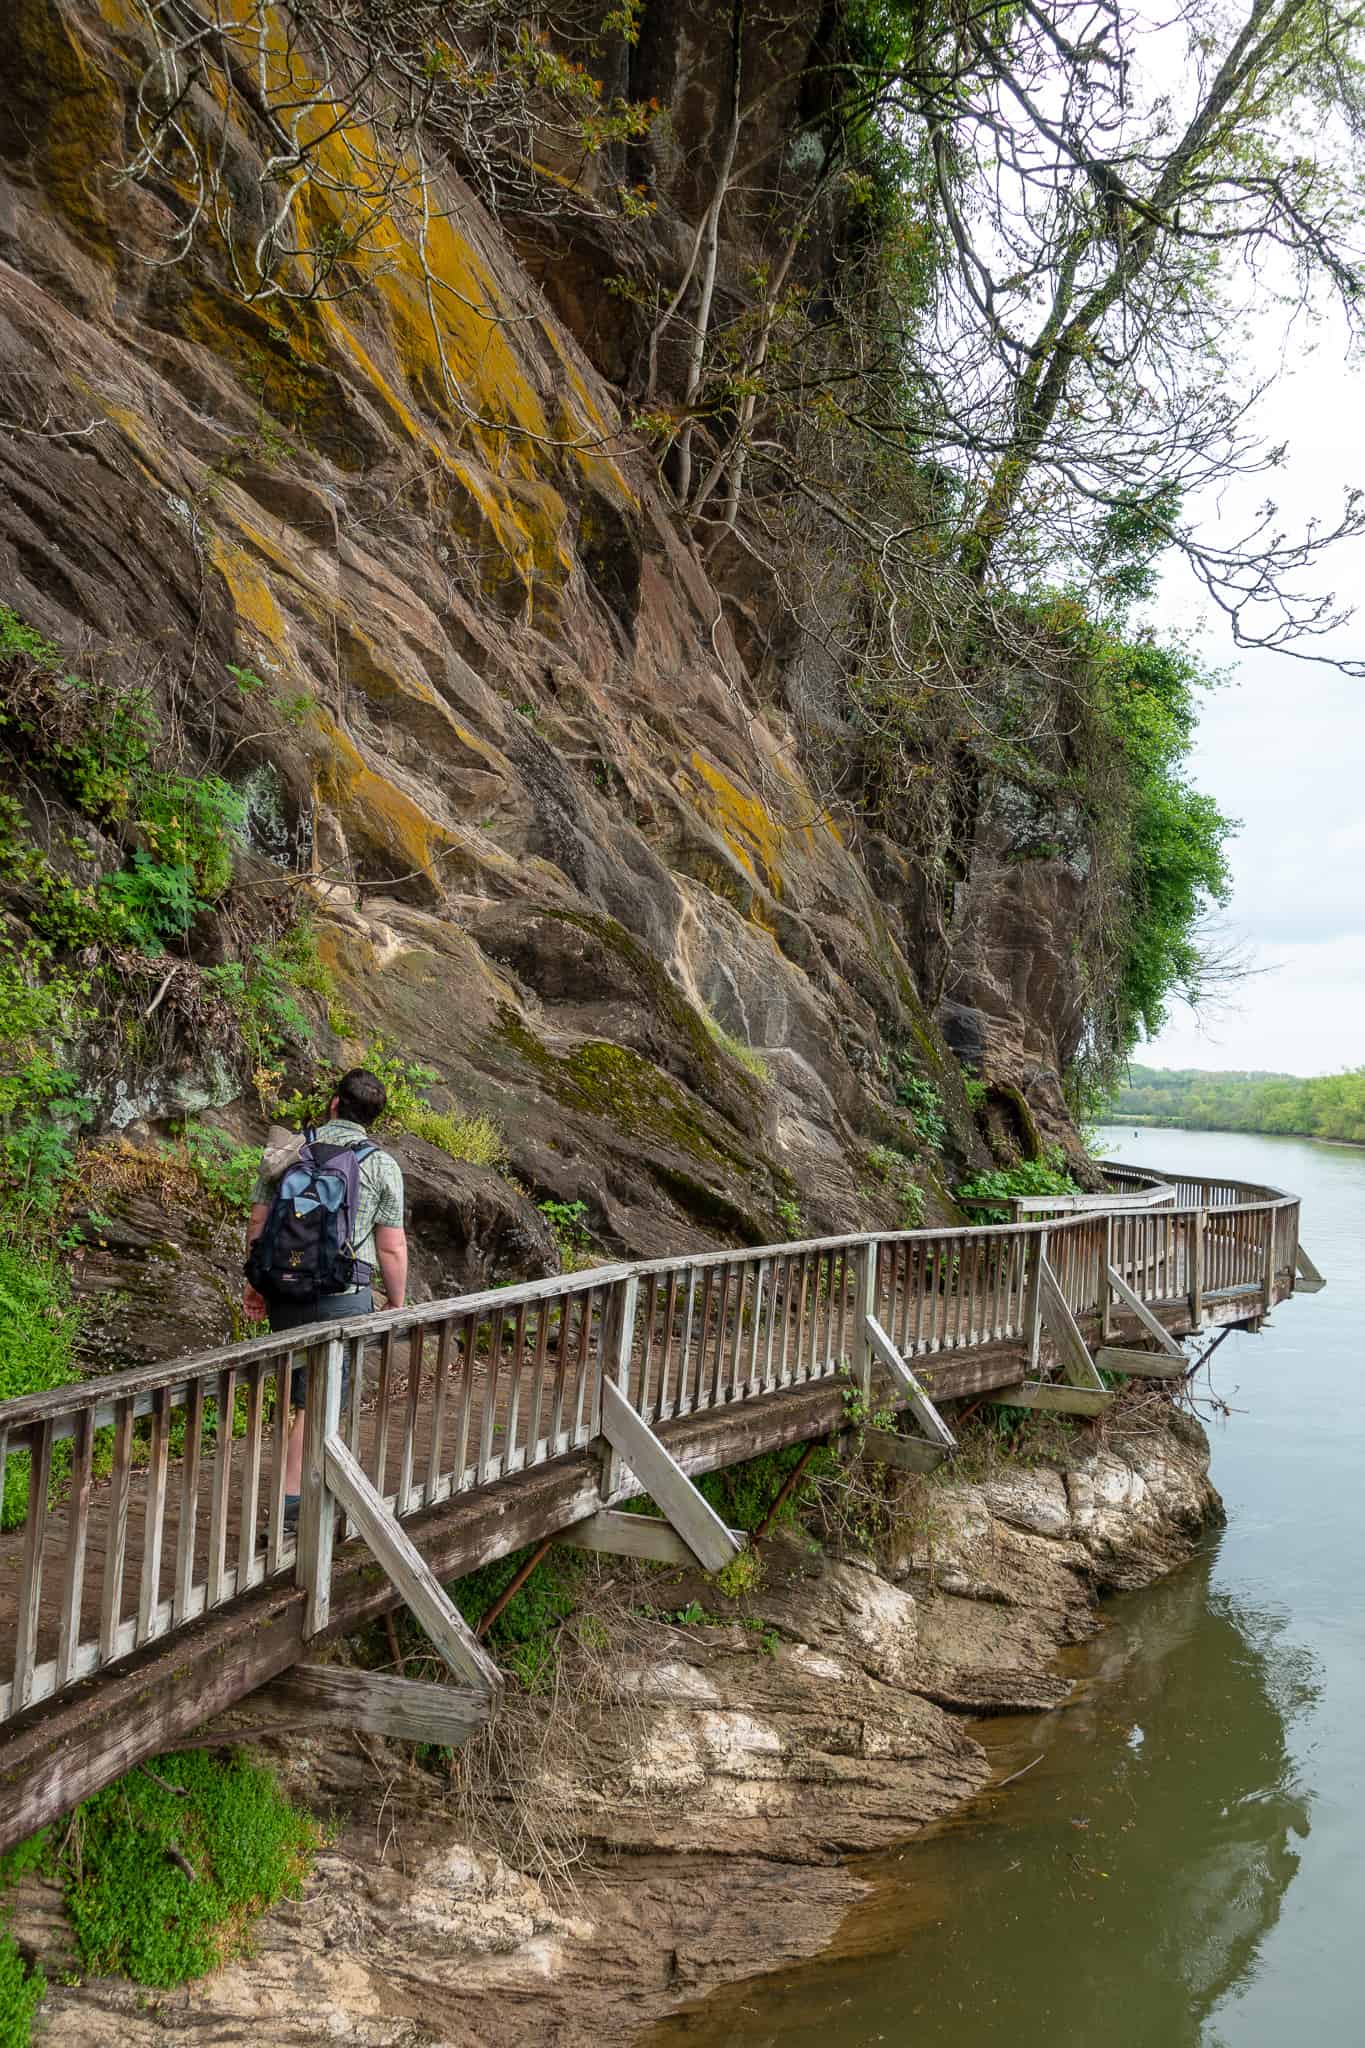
(360, 1097)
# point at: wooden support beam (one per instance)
(1308, 1279)
(1054, 1394)
(633, 1536)
(1138, 1307)
(1197, 1245)
(910, 1453)
(1077, 1364)
(1147, 1365)
(406, 1570)
(664, 1480)
(936, 1430)
(404, 1709)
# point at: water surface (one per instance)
(1185, 1866)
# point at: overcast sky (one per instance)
(1283, 749)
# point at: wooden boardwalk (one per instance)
(153, 1582)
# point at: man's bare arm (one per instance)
(391, 1245)
(253, 1302)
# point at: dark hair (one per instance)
(360, 1097)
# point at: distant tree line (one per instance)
(1329, 1106)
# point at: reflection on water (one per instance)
(1153, 1882)
(1162, 1824)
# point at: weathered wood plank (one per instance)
(1148, 1365)
(1309, 1280)
(1058, 1395)
(77, 1532)
(909, 1453)
(403, 1709)
(409, 1572)
(31, 1567)
(632, 1536)
(695, 1520)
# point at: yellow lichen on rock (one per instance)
(750, 831)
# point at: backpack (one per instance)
(304, 1250)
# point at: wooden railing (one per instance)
(156, 1496)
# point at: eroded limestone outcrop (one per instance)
(716, 1784)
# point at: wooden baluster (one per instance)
(488, 1415)
(538, 1357)
(518, 1368)
(116, 1529)
(593, 1303)
(697, 1363)
(250, 1568)
(154, 1516)
(799, 1335)
(645, 1393)
(317, 1503)
(277, 1543)
(411, 1413)
(683, 1399)
(788, 1291)
(459, 1469)
(666, 1355)
(31, 1565)
(563, 1352)
(439, 1394)
(771, 1297)
(77, 1530)
(721, 1333)
(1200, 1227)
(188, 1528)
(222, 1480)
(383, 1409)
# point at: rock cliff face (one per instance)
(715, 1783)
(557, 839)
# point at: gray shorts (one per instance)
(331, 1309)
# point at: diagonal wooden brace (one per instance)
(1077, 1364)
(935, 1429)
(1308, 1279)
(409, 1572)
(1138, 1307)
(663, 1478)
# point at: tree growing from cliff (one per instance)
(1118, 212)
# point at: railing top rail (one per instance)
(25, 1411)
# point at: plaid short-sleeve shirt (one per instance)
(379, 1203)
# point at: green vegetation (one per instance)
(751, 1061)
(21, 1990)
(898, 1172)
(225, 1171)
(919, 1095)
(1330, 1106)
(1030, 1177)
(524, 1635)
(39, 1325)
(174, 1866)
(569, 1222)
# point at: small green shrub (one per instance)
(476, 1140)
(1029, 1177)
(21, 1990)
(132, 1907)
(898, 1172)
(39, 1325)
(568, 1221)
(260, 992)
(788, 1213)
(976, 1093)
(224, 1170)
(752, 1062)
(919, 1095)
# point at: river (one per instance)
(1184, 1867)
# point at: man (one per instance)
(377, 1237)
